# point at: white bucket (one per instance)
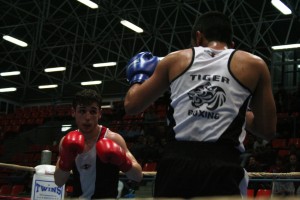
(44, 187)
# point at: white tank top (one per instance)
(86, 165)
(206, 98)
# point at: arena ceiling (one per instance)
(68, 33)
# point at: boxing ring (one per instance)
(150, 177)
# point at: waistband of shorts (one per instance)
(211, 150)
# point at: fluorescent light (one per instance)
(15, 41)
(47, 86)
(106, 106)
(55, 69)
(89, 3)
(11, 89)
(107, 64)
(66, 127)
(91, 83)
(288, 46)
(281, 7)
(132, 26)
(298, 66)
(12, 73)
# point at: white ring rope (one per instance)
(153, 173)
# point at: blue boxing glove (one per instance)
(141, 67)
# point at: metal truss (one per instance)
(67, 33)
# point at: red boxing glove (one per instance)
(71, 146)
(110, 152)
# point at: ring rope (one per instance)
(17, 167)
(274, 175)
(153, 173)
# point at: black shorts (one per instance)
(196, 169)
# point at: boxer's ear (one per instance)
(232, 45)
(73, 112)
(100, 114)
(199, 38)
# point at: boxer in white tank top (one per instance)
(211, 86)
(93, 153)
(86, 165)
(208, 93)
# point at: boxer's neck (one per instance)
(93, 136)
(217, 45)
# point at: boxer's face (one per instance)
(87, 117)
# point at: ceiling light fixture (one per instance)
(12, 73)
(107, 106)
(281, 7)
(91, 83)
(89, 3)
(15, 41)
(55, 69)
(11, 89)
(287, 46)
(47, 86)
(107, 64)
(65, 127)
(132, 26)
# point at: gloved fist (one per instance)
(71, 145)
(110, 152)
(141, 67)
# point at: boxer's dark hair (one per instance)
(87, 97)
(215, 26)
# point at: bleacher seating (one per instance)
(149, 167)
(263, 194)
(279, 143)
(5, 189)
(32, 116)
(295, 141)
(17, 190)
(250, 193)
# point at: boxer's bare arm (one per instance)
(140, 96)
(135, 173)
(253, 72)
(60, 176)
